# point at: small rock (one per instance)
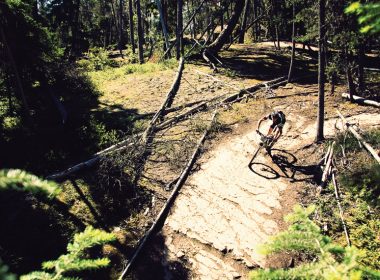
(117, 229)
(146, 211)
(180, 254)
(236, 275)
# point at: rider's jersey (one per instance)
(279, 121)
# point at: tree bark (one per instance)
(321, 72)
(223, 37)
(244, 22)
(179, 34)
(131, 26)
(290, 75)
(140, 32)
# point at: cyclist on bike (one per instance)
(275, 130)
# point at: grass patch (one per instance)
(111, 74)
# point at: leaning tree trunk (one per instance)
(244, 23)
(223, 37)
(179, 34)
(290, 75)
(131, 26)
(321, 71)
(140, 32)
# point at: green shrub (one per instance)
(331, 261)
(96, 59)
(363, 181)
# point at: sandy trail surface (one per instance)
(229, 207)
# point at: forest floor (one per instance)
(230, 205)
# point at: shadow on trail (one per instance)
(286, 163)
(155, 264)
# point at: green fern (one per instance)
(75, 260)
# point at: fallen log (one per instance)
(361, 100)
(359, 138)
(340, 210)
(327, 169)
(167, 103)
(160, 219)
(372, 69)
(182, 116)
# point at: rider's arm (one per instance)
(260, 121)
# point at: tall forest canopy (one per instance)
(126, 129)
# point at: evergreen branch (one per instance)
(19, 180)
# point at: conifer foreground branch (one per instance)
(331, 261)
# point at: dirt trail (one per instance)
(227, 208)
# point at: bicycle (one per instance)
(266, 142)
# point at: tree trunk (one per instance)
(223, 37)
(16, 76)
(163, 25)
(361, 57)
(121, 22)
(290, 75)
(350, 82)
(140, 32)
(74, 29)
(321, 71)
(131, 26)
(179, 34)
(244, 22)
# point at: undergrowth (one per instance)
(359, 185)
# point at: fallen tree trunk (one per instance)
(359, 138)
(167, 102)
(340, 210)
(126, 143)
(164, 211)
(327, 169)
(182, 116)
(361, 100)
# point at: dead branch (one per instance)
(359, 137)
(160, 219)
(327, 169)
(361, 100)
(340, 210)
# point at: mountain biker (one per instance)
(275, 130)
